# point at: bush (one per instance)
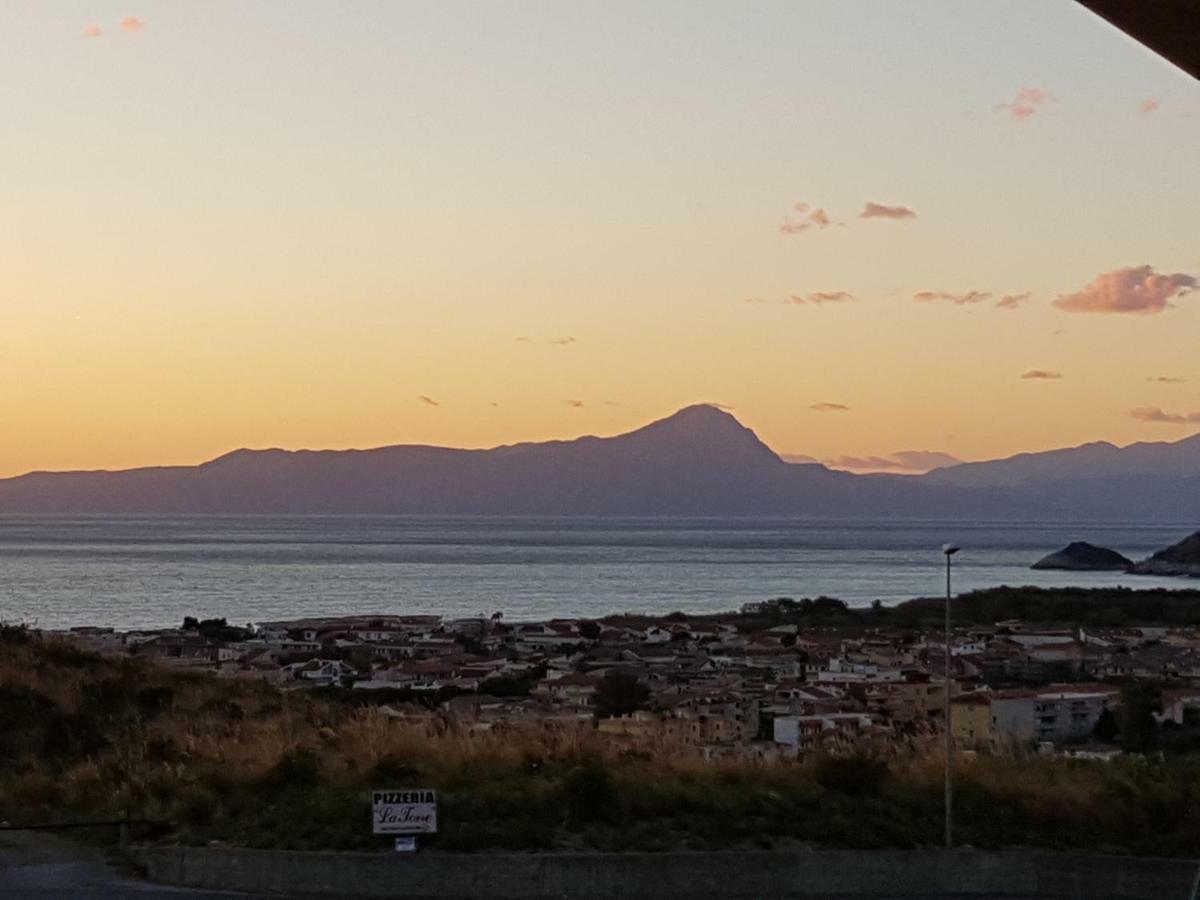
(392, 772)
(294, 770)
(590, 793)
(855, 776)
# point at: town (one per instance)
(724, 686)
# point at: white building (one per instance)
(1055, 715)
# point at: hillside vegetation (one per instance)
(87, 737)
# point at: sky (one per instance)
(872, 230)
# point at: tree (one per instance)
(589, 629)
(619, 694)
(215, 629)
(1107, 727)
(1139, 731)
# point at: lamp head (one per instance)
(950, 549)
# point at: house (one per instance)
(803, 733)
(843, 671)
(568, 690)
(907, 701)
(1056, 713)
(971, 719)
(321, 671)
(1182, 707)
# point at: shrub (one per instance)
(856, 776)
(392, 771)
(590, 793)
(294, 769)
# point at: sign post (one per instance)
(404, 814)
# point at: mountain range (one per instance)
(698, 462)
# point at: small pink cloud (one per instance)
(576, 404)
(965, 299)
(92, 31)
(562, 341)
(1012, 301)
(428, 401)
(1134, 289)
(819, 297)
(829, 407)
(1027, 102)
(879, 211)
(132, 24)
(1166, 379)
(1041, 375)
(1154, 414)
(801, 458)
(802, 218)
(1148, 106)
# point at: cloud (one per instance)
(132, 24)
(818, 297)
(1041, 375)
(802, 458)
(1154, 414)
(1148, 106)
(909, 462)
(830, 407)
(874, 463)
(428, 401)
(553, 342)
(1012, 301)
(879, 211)
(1166, 379)
(957, 299)
(802, 218)
(577, 404)
(1027, 102)
(1133, 289)
(92, 31)
(925, 459)
(755, 300)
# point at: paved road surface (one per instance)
(38, 866)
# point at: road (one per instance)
(37, 866)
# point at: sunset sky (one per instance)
(866, 227)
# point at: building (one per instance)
(1050, 714)
(971, 720)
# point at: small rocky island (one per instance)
(1080, 556)
(1178, 559)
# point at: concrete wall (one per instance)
(645, 875)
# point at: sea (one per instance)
(150, 571)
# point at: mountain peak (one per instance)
(704, 412)
(702, 430)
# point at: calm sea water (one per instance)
(129, 572)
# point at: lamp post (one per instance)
(948, 550)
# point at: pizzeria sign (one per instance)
(404, 812)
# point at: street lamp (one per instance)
(948, 550)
